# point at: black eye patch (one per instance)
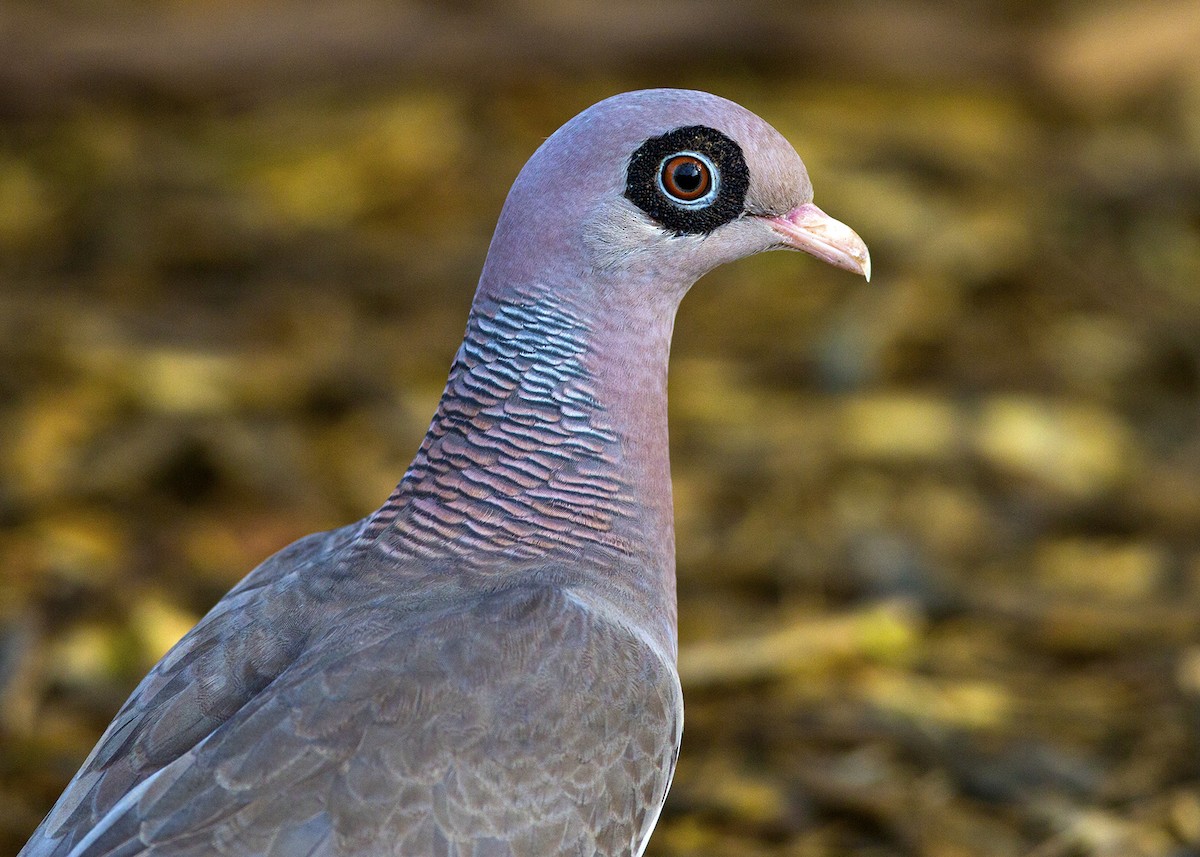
(645, 188)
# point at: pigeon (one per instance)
(486, 665)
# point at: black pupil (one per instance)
(688, 176)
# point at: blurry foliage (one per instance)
(939, 536)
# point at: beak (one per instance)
(808, 228)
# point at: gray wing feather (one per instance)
(516, 723)
(234, 652)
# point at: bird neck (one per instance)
(549, 444)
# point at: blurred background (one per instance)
(939, 535)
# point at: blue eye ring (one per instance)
(689, 179)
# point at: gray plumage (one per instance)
(485, 666)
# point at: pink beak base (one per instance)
(808, 228)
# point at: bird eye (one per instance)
(688, 181)
(688, 178)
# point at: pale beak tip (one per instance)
(812, 231)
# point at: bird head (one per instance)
(661, 186)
